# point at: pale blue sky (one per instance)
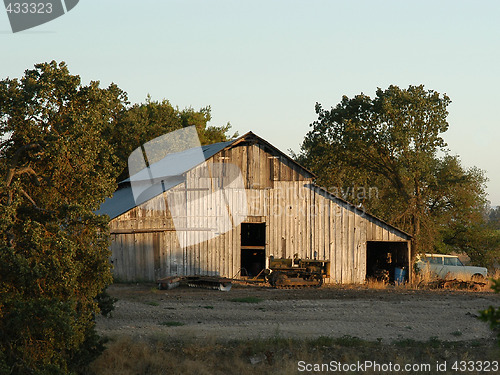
(262, 65)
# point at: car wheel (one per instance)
(477, 277)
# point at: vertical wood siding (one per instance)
(300, 219)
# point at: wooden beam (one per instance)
(156, 230)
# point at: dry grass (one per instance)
(126, 356)
(494, 276)
(376, 284)
(421, 280)
(426, 277)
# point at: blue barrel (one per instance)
(399, 275)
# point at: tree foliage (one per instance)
(491, 315)
(494, 218)
(57, 168)
(394, 143)
(143, 122)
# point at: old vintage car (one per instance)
(448, 267)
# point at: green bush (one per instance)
(56, 169)
(492, 314)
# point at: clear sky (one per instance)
(262, 65)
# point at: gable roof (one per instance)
(174, 165)
(178, 164)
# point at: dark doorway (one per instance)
(253, 249)
(387, 261)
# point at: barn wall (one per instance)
(305, 220)
(300, 219)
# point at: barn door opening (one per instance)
(387, 261)
(253, 249)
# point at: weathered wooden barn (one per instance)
(284, 213)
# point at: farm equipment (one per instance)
(293, 273)
(206, 282)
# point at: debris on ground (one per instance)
(452, 284)
(206, 282)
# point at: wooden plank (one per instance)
(241, 153)
(129, 257)
(283, 221)
(193, 212)
(159, 230)
(347, 270)
(325, 233)
(363, 239)
(318, 230)
(289, 171)
(326, 227)
(124, 258)
(317, 221)
(385, 234)
(236, 242)
(145, 246)
(357, 248)
(156, 256)
(206, 247)
(345, 247)
(292, 250)
(276, 168)
(265, 172)
(283, 170)
(309, 222)
(211, 249)
(352, 246)
(379, 233)
(250, 167)
(117, 256)
(132, 250)
(277, 222)
(224, 241)
(139, 262)
(165, 254)
(338, 243)
(298, 219)
(172, 270)
(257, 167)
(281, 217)
(165, 266)
(292, 206)
(273, 232)
(149, 255)
(333, 269)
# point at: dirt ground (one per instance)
(386, 315)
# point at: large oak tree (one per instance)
(56, 168)
(393, 142)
